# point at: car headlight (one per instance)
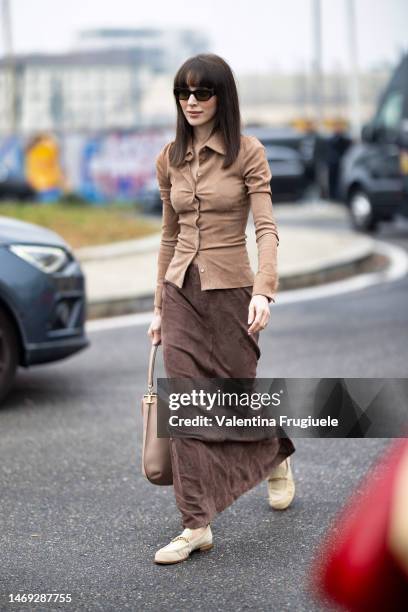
(47, 259)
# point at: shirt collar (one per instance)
(214, 142)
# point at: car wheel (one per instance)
(8, 354)
(362, 215)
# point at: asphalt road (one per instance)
(77, 516)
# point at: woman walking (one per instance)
(209, 305)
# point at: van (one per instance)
(374, 172)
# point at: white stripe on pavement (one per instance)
(122, 321)
(397, 269)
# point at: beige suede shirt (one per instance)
(205, 220)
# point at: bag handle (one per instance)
(152, 358)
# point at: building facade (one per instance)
(101, 85)
(121, 79)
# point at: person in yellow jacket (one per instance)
(43, 168)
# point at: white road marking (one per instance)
(397, 269)
(143, 318)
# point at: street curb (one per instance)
(366, 261)
(119, 249)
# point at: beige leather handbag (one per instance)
(156, 459)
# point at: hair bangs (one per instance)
(195, 74)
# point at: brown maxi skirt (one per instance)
(205, 334)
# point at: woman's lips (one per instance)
(194, 114)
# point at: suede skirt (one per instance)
(205, 334)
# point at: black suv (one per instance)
(374, 172)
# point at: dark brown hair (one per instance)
(209, 70)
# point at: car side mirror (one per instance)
(368, 132)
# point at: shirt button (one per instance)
(201, 269)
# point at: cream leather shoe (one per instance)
(180, 547)
(281, 486)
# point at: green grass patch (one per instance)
(85, 225)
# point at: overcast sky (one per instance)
(252, 35)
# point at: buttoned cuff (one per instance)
(265, 284)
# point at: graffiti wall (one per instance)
(11, 158)
(100, 168)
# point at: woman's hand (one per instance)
(154, 331)
(258, 313)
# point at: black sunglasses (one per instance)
(201, 94)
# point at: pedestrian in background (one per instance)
(209, 305)
(338, 143)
